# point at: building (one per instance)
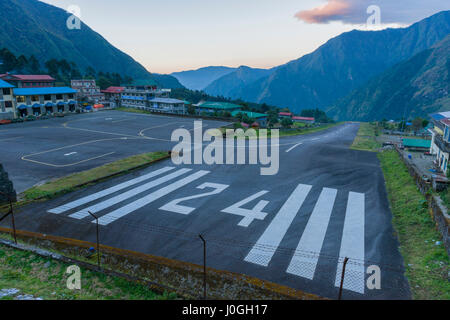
(40, 101)
(87, 90)
(145, 95)
(28, 81)
(113, 95)
(283, 115)
(216, 107)
(440, 142)
(260, 118)
(420, 145)
(167, 105)
(306, 120)
(7, 103)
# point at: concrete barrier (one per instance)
(184, 278)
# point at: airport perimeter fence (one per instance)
(327, 276)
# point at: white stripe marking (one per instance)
(266, 246)
(352, 245)
(127, 195)
(108, 191)
(119, 213)
(292, 148)
(303, 262)
(70, 154)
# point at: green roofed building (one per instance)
(260, 118)
(212, 107)
(417, 144)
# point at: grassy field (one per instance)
(47, 278)
(427, 263)
(69, 183)
(366, 138)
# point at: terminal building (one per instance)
(87, 90)
(7, 103)
(40, 101)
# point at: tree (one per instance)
(417, 125)
(287, 123)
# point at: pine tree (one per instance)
(6, 188)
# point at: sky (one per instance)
(176, 35)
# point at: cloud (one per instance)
(355, 11)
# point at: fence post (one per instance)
(204, 266)
(98, 241)
(342, 278)
(11, 212)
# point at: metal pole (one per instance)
(204, 266)
(342, 278)
(98, 240)
(12, 219)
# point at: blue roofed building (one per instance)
(7, 103)
(41, 101)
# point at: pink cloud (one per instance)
(332, 10)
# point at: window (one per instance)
(20, 99)
(47, 97)
(34, 98)
(59, 96)
(8, 104)
(6, 91)
(70, 95)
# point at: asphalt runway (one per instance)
(327, 202)
(35, 152)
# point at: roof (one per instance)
(41, 91)
(285, 114)
(303, 118)
(219, 105)
(113, 90)
(254, 115)
(417, 143)
(34, 77)
(4, 84)
(446, 121)
(166, 100)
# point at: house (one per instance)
(7, 103)
(306, 120)
(167, 105)
(283, 115)
(39, 101)
(145, 94)
(87, 89)
(417, 144)
(215, 107)
(260, 118)
(28, 80)
(113, 95)
(440, 143)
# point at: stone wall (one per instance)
(438, 210)
(186, 279)
(6, 188)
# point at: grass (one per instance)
(132, 110)
(67, 184)
(47, 278)
(427, 263)
(366, 138)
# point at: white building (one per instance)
(440, 143)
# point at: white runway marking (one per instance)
(266, 246)
(303, 263)
(352, 245)
(119, 213)
(127, 195)
(70, 154)
(292, 148)
(108, 191)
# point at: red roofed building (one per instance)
(285, 115)
(28, 80)
(113, 95)
(304, 120)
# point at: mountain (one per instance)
(414, 88)
(201, 78)
(343, 64)
(230, 85)
(31, 27)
